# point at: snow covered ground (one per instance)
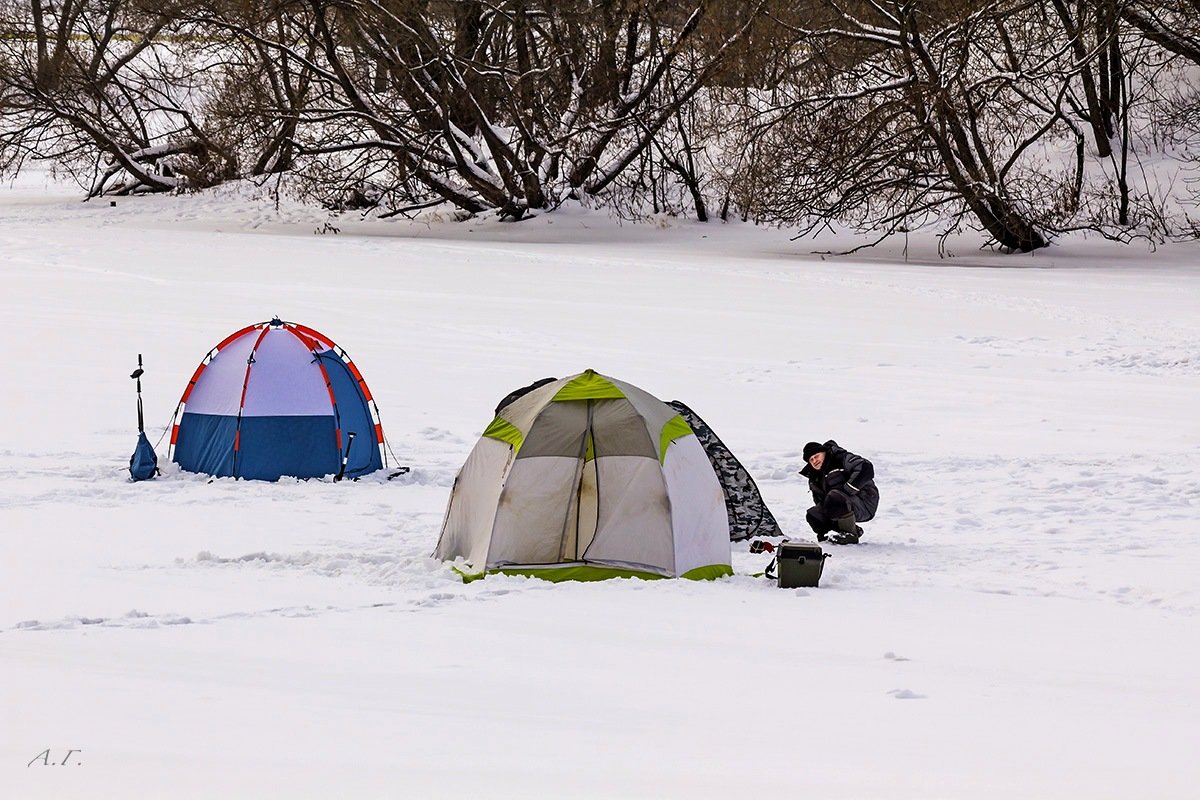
(1022, 621)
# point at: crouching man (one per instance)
(843, 489)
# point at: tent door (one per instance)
(579, 527)
(589, 508)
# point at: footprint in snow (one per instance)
(906, 694)
(439, 435)
(435, 599)
(890, 656)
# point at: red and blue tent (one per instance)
(274, 399)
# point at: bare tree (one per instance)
(903, 117)
(1173, 25)
(510, 105)
(1097, 65)
(87, 78)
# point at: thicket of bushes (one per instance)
(1020, 118)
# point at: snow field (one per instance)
(1021, 621)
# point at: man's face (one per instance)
(817, 459)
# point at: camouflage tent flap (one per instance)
(748, 514)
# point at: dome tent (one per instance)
(275, 399)
(587, 478)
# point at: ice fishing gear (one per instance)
(277, 399)
(760, 546)
(143, 464)
(798, 564)
(622, 488)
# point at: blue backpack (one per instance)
(143, 464)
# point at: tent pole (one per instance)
(346, 456)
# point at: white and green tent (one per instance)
(586, 478)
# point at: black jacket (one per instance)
(842, 470)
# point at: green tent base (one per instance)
(593, 572)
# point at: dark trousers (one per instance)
(849, 508)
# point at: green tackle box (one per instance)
(799, 564)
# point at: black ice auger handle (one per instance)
(137, 375)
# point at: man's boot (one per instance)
(846, 523)
(847, 531)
